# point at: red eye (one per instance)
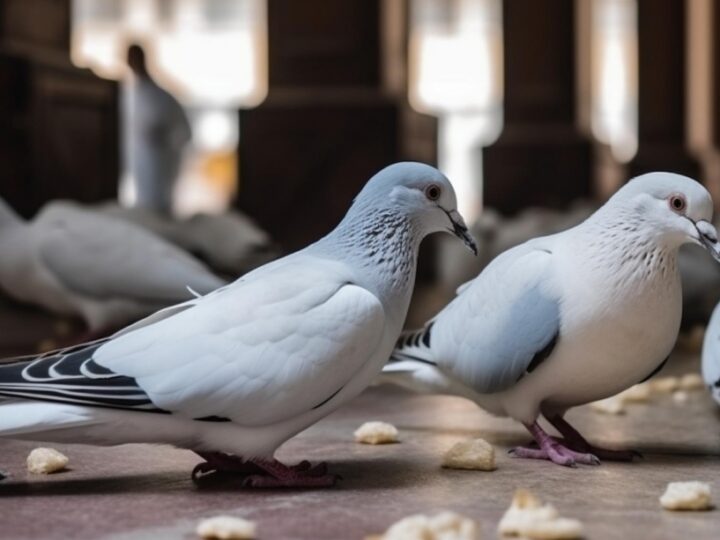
(432, 192)
(677, 203)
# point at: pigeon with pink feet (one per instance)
(234, 374)
(567, 319)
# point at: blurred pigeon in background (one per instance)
(248, 366)
(711, 355)
(77, 262)
(567, 319)
(231, 243)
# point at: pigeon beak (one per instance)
(461, 231)
(708, 238)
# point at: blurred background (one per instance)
(273, 114)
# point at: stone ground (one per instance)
(145, 492)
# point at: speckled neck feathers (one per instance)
(624, 245)
(381, 242)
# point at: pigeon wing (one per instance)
(502, 324)
(102, 257)
(264, 349)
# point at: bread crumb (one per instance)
(664, 385)
(687, 496)
(475, 454)
(639, 393)
(442, 526)
(226, 528)
(46, 461)
(376, 433)
(530, 518)
(691, 381)
(680, 396)
(611, 405)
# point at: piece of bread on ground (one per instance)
(528, 517)
(687, 496)
(474, 454)
(376, 433)
(46, 461)
(226, 528)
(442, 526)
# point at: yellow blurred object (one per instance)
(219, 170)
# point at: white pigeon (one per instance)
(77, 262)
(243, 369)
(230, 243)
(711, 355)
(567, 319)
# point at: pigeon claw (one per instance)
(300, 481)
(277, 475)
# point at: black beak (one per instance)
(707, 236)
(460, 230)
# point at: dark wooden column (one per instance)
(59, 128)
(712, 161)
(662, 47)
(541, 158)
(326, 125)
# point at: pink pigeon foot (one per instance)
(276, 475)
(577, 442)
(216, 462)
(552, 450)
(262, 473)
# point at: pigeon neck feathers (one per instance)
(382, 244)
(620, 242)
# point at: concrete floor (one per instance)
(138, 492)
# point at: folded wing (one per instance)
(503, 324)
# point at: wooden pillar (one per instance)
(541, 157)
(662, 82)
(59, 128)
(327, 124)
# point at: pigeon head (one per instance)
(421, 192)
(677, 207)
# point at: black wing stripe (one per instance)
(399, 356)
(137, 404)
(73, 377)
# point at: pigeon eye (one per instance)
(432, 192)
(677, 203)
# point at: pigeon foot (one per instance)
(302, 475)
(553, 450)
(574, 440)
(263, 473)
(219, 462)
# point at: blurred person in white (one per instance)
(156, 133)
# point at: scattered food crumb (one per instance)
(611, 405)
(639, 393)
(376, 433)
(687, 496)
(643, 392)
(226, 528)
(530, 518)
(664, 385)
(46, 461)
(442, 526)
(691, 381)
(475, 454)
